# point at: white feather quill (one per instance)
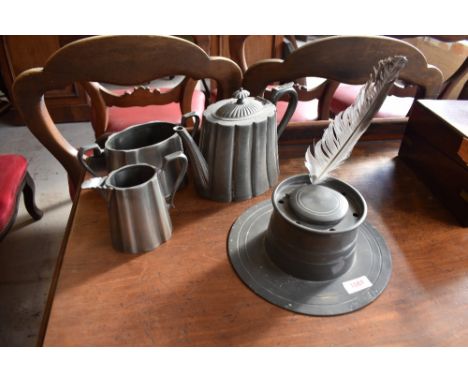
(340, 137)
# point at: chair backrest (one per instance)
(450, 55)
(119, 60)
(344, 59)
(103, 97)
(455, 86)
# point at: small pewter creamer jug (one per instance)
(149, 142)
(238, 154)
(138, 210)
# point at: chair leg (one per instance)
(28, 193)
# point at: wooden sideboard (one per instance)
(18, 53)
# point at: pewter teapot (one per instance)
(238, 154)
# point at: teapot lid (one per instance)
(240, 106)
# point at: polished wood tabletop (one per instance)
(186, 293)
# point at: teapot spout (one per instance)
(197, 161)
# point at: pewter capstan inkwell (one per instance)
(309, 248)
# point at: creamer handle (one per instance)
(81, 156)
(179, 156)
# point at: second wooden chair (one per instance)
(343, 59)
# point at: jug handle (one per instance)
(275, 96)
(81, 156)
(179, 156)
(196, 123)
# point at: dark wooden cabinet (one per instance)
(18, 53)
(435, 146)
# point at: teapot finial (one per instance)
(241, 95)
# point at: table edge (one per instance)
(58, 267)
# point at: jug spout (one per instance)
(98, 184)
(197, 161)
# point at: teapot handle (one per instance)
(81, 156)
(196, 123)
(179, 156)
(279, 92)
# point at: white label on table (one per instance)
(356, 285)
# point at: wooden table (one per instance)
(185, 293)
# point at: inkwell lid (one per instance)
(318, 204)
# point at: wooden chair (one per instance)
(343, 59)
(455, 86)
(119, 60)
(444, 52)
(116, 109)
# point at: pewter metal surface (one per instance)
(231, 112)
(138, 210)
(246, 250)
(355, 214)
(138, 213)
(242, 106)
(318, 204)
(313, 251)
(237, 158)
(148, 143)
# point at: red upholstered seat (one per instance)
(305, 111)
(393, 107)
(122, 117)
(12, 172)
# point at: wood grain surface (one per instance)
(185, 293)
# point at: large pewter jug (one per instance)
(149, 142)
(238, 154)
(138, 210)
